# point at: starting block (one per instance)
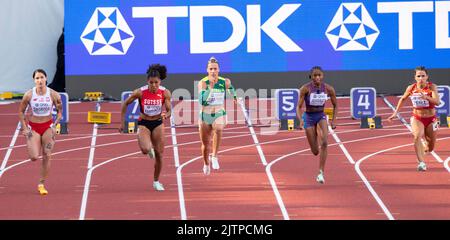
(58, 128)
(444, 120)
(99, 117)
(93, 96)
(367, 122)
(289, 124)
(329, 112)
(130, 127)
(61, 128)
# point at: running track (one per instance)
(97, 173)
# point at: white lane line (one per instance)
(90, 172)
(88, 182)
(11, 147)
(176, 157)
(227, 130)
(446, 164)
(263, 160)
(252, 131)
(65, 151)
(179, 169)
(112, 143)
(437, 157)
(93, 140)
(358, 170)
(181, 200)
(341, 145)
(277, 193)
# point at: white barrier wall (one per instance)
(29, 34)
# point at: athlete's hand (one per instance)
(163, 115)
(424, 96)
(300, 125)
(53, 131)
(333, 125)
(27, 132)
(122, 127)
(392, 117)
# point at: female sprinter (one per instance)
(314, 94)
(424, 97)
(39, 130)
(152, 97)
(212, 119)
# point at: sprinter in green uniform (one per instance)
(212, 91)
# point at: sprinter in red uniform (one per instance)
(152, 98)
(424, 98)
(39, 130)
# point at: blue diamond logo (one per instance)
(107, 33)
(352, 28)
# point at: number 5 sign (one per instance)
(286, 103)
(363, 102)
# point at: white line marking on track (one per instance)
(111, 143)
(446, 164)
(358, 170)
(10, 148)
(179, 169)
(275, 189)
(263, 159)
(176, 157)
(341, 145)
(193, 159)
(90, 171)
(93, 140)
(88, 182)
(65, 151)
(252, 131)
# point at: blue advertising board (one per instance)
(286, 103)
(363, 102)
(106, 37)
(444, 95)
(133, 110)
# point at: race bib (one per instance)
(216, 98)
(41, 109)
(418, 101)
(317, 99)
(152, 110)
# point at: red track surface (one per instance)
(277, 182)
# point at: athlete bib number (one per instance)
(152, 110)
(419, 102)
(317, 99)
(216, 98)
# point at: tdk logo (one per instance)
(352, 28)
(107, 33)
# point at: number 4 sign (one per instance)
(363, 102)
